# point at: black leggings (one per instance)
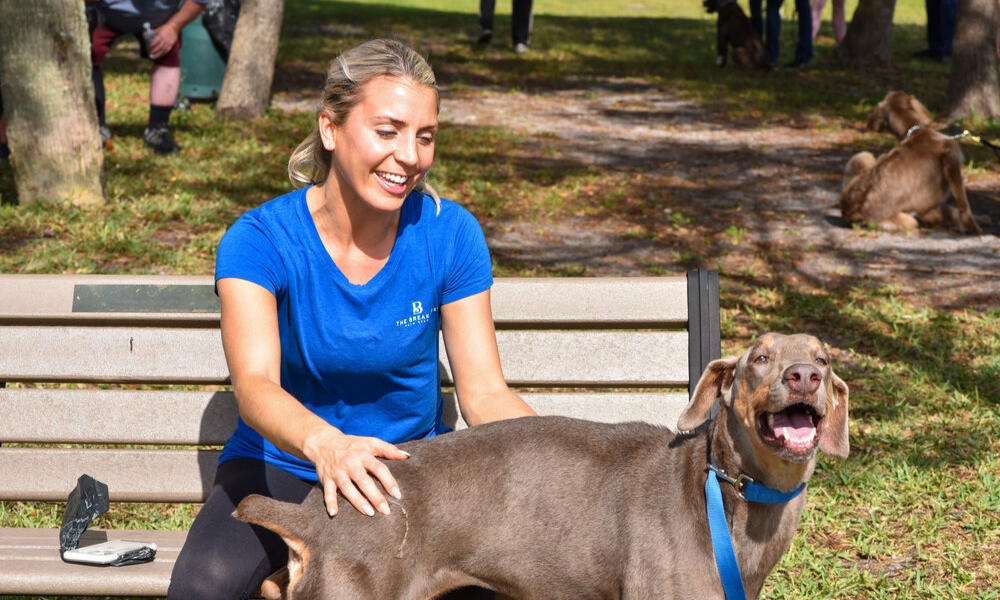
(227, 559)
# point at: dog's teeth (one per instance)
(770, 421)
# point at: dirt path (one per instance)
(755, 198)
(773, 185)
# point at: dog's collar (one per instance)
(749, 489)
(911, 130)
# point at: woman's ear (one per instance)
(327, 130)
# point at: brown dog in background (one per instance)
(915, 177)
(735, 29)
(552, 508)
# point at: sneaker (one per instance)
(160, 140)
(105, 133)
(485, 37)
(797, 64)
(520, 48)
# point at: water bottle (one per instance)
(148, 35)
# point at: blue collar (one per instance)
(722, 542)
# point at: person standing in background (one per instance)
(157, 24)
(520, 23)
(940, 29)
(772, 39)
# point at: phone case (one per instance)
(107, 552)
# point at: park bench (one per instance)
(148, 404)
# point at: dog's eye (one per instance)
(821, 361)
(761, 359)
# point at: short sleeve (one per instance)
(470, 270)
(247, 252)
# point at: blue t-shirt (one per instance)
(362, 357)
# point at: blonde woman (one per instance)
(332, 299)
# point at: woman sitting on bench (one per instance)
(332, 297)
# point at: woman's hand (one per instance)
(348, 463)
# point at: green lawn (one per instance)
(913, 513)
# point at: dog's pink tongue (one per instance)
(795, 426)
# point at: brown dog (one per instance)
(561, 509)
(915, 177)
(735, 30)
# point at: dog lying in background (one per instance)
(914, 178)
(735, 29)
(552, 508)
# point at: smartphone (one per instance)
(106, 552)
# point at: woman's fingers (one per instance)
(352, 474)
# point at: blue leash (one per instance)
(722, 542)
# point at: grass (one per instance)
(913, 513)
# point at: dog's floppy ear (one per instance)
(835, 439)
(716, 380)
(288, 520)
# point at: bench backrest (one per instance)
(148, 402)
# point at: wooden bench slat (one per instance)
(112, 354)
(160, 475)
(30, 564)
(149, 355)
(593, 358)
(185, 475)
(40, 415)
(590, 302)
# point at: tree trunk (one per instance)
(48, 98)
(973, 89)
(867, 38)
(246, 89)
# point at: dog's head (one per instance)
(712, 6)
(784, 395)
(897, 113)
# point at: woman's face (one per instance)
(385, 145)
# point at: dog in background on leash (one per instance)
(553, 508)
(735, 31)
(908, 186)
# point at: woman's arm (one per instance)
(253, 353)
(471, 343)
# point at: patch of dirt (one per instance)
(773, 185)
(756, 198)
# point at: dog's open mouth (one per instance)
(794, 430)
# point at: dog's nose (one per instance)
(803, 378)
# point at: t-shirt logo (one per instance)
(418, 317)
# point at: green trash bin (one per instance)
(202, 67)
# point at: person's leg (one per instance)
(521, 22)
(839, 21)
(949, 10)
(934, 41)
(772, 38)
(804, 46)
(486, 9)
(469, 593)
(756, 18)
(100, 42)
(817, 15)
(164, 84)
(227, 559)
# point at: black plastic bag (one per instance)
(219, 18)
(88, 501)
